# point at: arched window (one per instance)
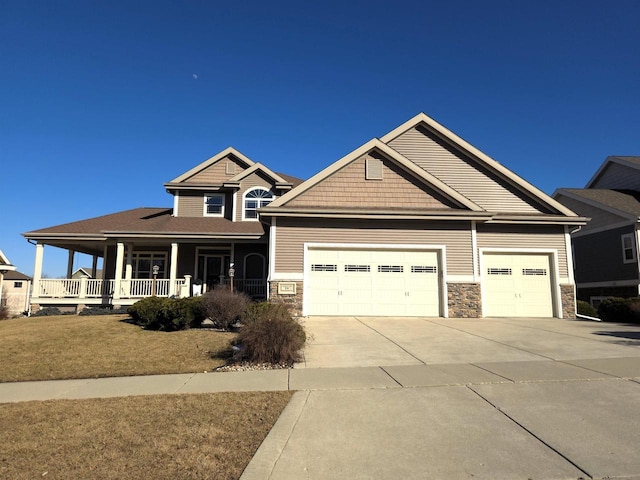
(254, 199)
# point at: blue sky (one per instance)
(103, 102)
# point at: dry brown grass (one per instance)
(210, 436)
(62, 347)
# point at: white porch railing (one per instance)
(87, 288)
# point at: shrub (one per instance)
(50, 311)
(255, 311)
(619, 310)
(103, 311)
(167, 314)
(225, 307)
(271, 336)
(585, 308)
(4, 312)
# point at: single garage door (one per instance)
(517, 285)
(372, 282)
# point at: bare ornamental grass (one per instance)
(204, 436)
(69, 346)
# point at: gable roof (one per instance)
(421, 175)
(210, 161)
(627, 161)
(625, 203)
(258, 167)
(16, 275)
(485, 160)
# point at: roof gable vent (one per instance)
(373, 169)
(230, 168)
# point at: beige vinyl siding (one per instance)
(217, 172)
(599, 218)
(526, 237)
(292, 234)
(191, 204)
(618, 176)
(462, 174)
(348, 187)
(247, 183)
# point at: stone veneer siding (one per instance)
(464, 300)
(293, 301)
(568, 299)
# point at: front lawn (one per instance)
(70, 346)
(208, 436)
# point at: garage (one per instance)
(517, 285)
(372, 282)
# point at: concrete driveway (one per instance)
(371, 341)
(417, 398)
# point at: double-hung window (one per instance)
(214, 205)
(628, 248)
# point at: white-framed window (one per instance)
(143, 262)
(628, 248)
(253, 200)
(214, 205)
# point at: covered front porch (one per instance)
(124, 272)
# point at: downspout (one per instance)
(637, 256)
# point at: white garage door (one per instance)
(517, 285)
(372, 282)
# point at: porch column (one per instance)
(173, 269)
(119, 261)
(70, 263)
(37, 269)
(128, 272)
(94, 267)
(104, 262)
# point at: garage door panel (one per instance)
(517, 285)
(385, 282)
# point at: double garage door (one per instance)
(372, 282)
(517, 285)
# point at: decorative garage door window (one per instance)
(357, 268)
(319, 267)
(423, 269)
(534, 271)
(390, 269)
(499, 271)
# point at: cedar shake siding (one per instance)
(599, 217)
(461, 173)
(544, 237)
(349, 188)
(292, 234)
(618, 176)
(217, 172)
(599, 257)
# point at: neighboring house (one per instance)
(5, 266)
(16, 289)
(416, 223)
(87, 272)
(606, 249)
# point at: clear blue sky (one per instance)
(103, 102)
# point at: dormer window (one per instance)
(254, 199)
(214, 205)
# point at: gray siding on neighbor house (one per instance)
(547, 237)
(467, 177)
(599, 218)
(292, 234)
(349, 188)
(616, 176)
(598, 257)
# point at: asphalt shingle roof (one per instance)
(627, 201)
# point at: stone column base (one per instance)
(464, 300)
